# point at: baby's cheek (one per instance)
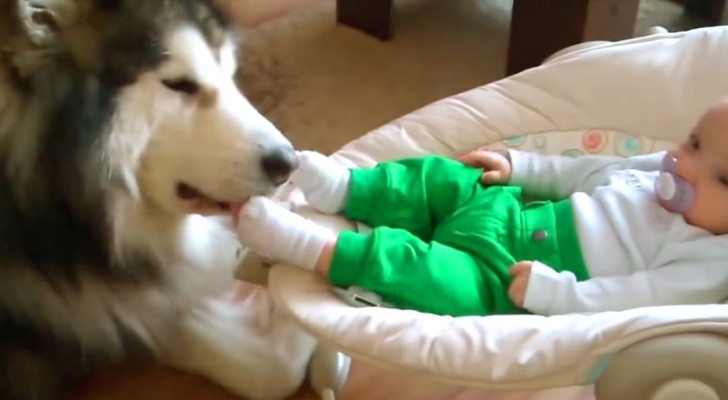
(719, 213)
(711, 210)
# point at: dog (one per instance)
(124, 145)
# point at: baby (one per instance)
(458, 237)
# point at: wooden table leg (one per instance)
(542, 27)
(374, 17)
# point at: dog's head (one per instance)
(184, 132)
(194, 141)
(180, 134)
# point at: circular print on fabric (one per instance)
(594, 141)
(515, 141)
(573, 153)
(628, 145)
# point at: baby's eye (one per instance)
(694, 143)
(723, 180)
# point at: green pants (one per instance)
(442, 242)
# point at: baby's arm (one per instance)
(553, 293)
(557, 176)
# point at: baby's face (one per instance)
(702, 160)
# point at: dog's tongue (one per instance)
(235, 212)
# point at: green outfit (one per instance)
(442, 242)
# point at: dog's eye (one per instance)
(183, 85)
(187, 192)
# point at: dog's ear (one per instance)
(42, 19)
(16, 21)
(53, 14)
(27, 28)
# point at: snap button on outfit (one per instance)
(539, 235)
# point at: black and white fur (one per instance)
(123, 142)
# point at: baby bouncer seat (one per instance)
(626, 98)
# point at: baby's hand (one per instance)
(495, 164)
(520, 273)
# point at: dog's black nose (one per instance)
(278, 163)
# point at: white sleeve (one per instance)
(555, 293)
(556, 176)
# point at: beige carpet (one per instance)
(325, 84)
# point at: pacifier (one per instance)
(676, 193)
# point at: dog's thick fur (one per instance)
(123, 140)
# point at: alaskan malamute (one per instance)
(124, 141)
